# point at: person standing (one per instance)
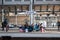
(2, 26)
(5, 24)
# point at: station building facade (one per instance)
(44, 10)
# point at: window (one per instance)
(39, 0)
(0, 9)
(50, 7)
(49, 0)
(37, 8)
(57, 0)
(8, 0)
(26, 0)
(12, 8)
(18, 8)
(44, 7)
(6, 10)
(25, 8)
(17, 0)
(56, 7)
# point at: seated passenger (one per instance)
(36, 27)
(30, 28)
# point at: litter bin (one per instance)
(6, 37)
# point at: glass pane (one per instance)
(12, 19)
(0, 9)
(44, 7)
(12, 8)
(49, 0)
(39, 0)
(8, 0)
(37, 8)
(6, 9)
(17, 0)
(50, 7)
(11, 14)
(25, 8)
(57, 0)
(57, 7)
(18, 8)
(0, 19)
(26, 0)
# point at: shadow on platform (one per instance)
(28, 38)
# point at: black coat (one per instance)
(58, 23)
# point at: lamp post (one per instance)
(2, 12)
(31, 11)
(2, 15)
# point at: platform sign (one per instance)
(29, 12)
